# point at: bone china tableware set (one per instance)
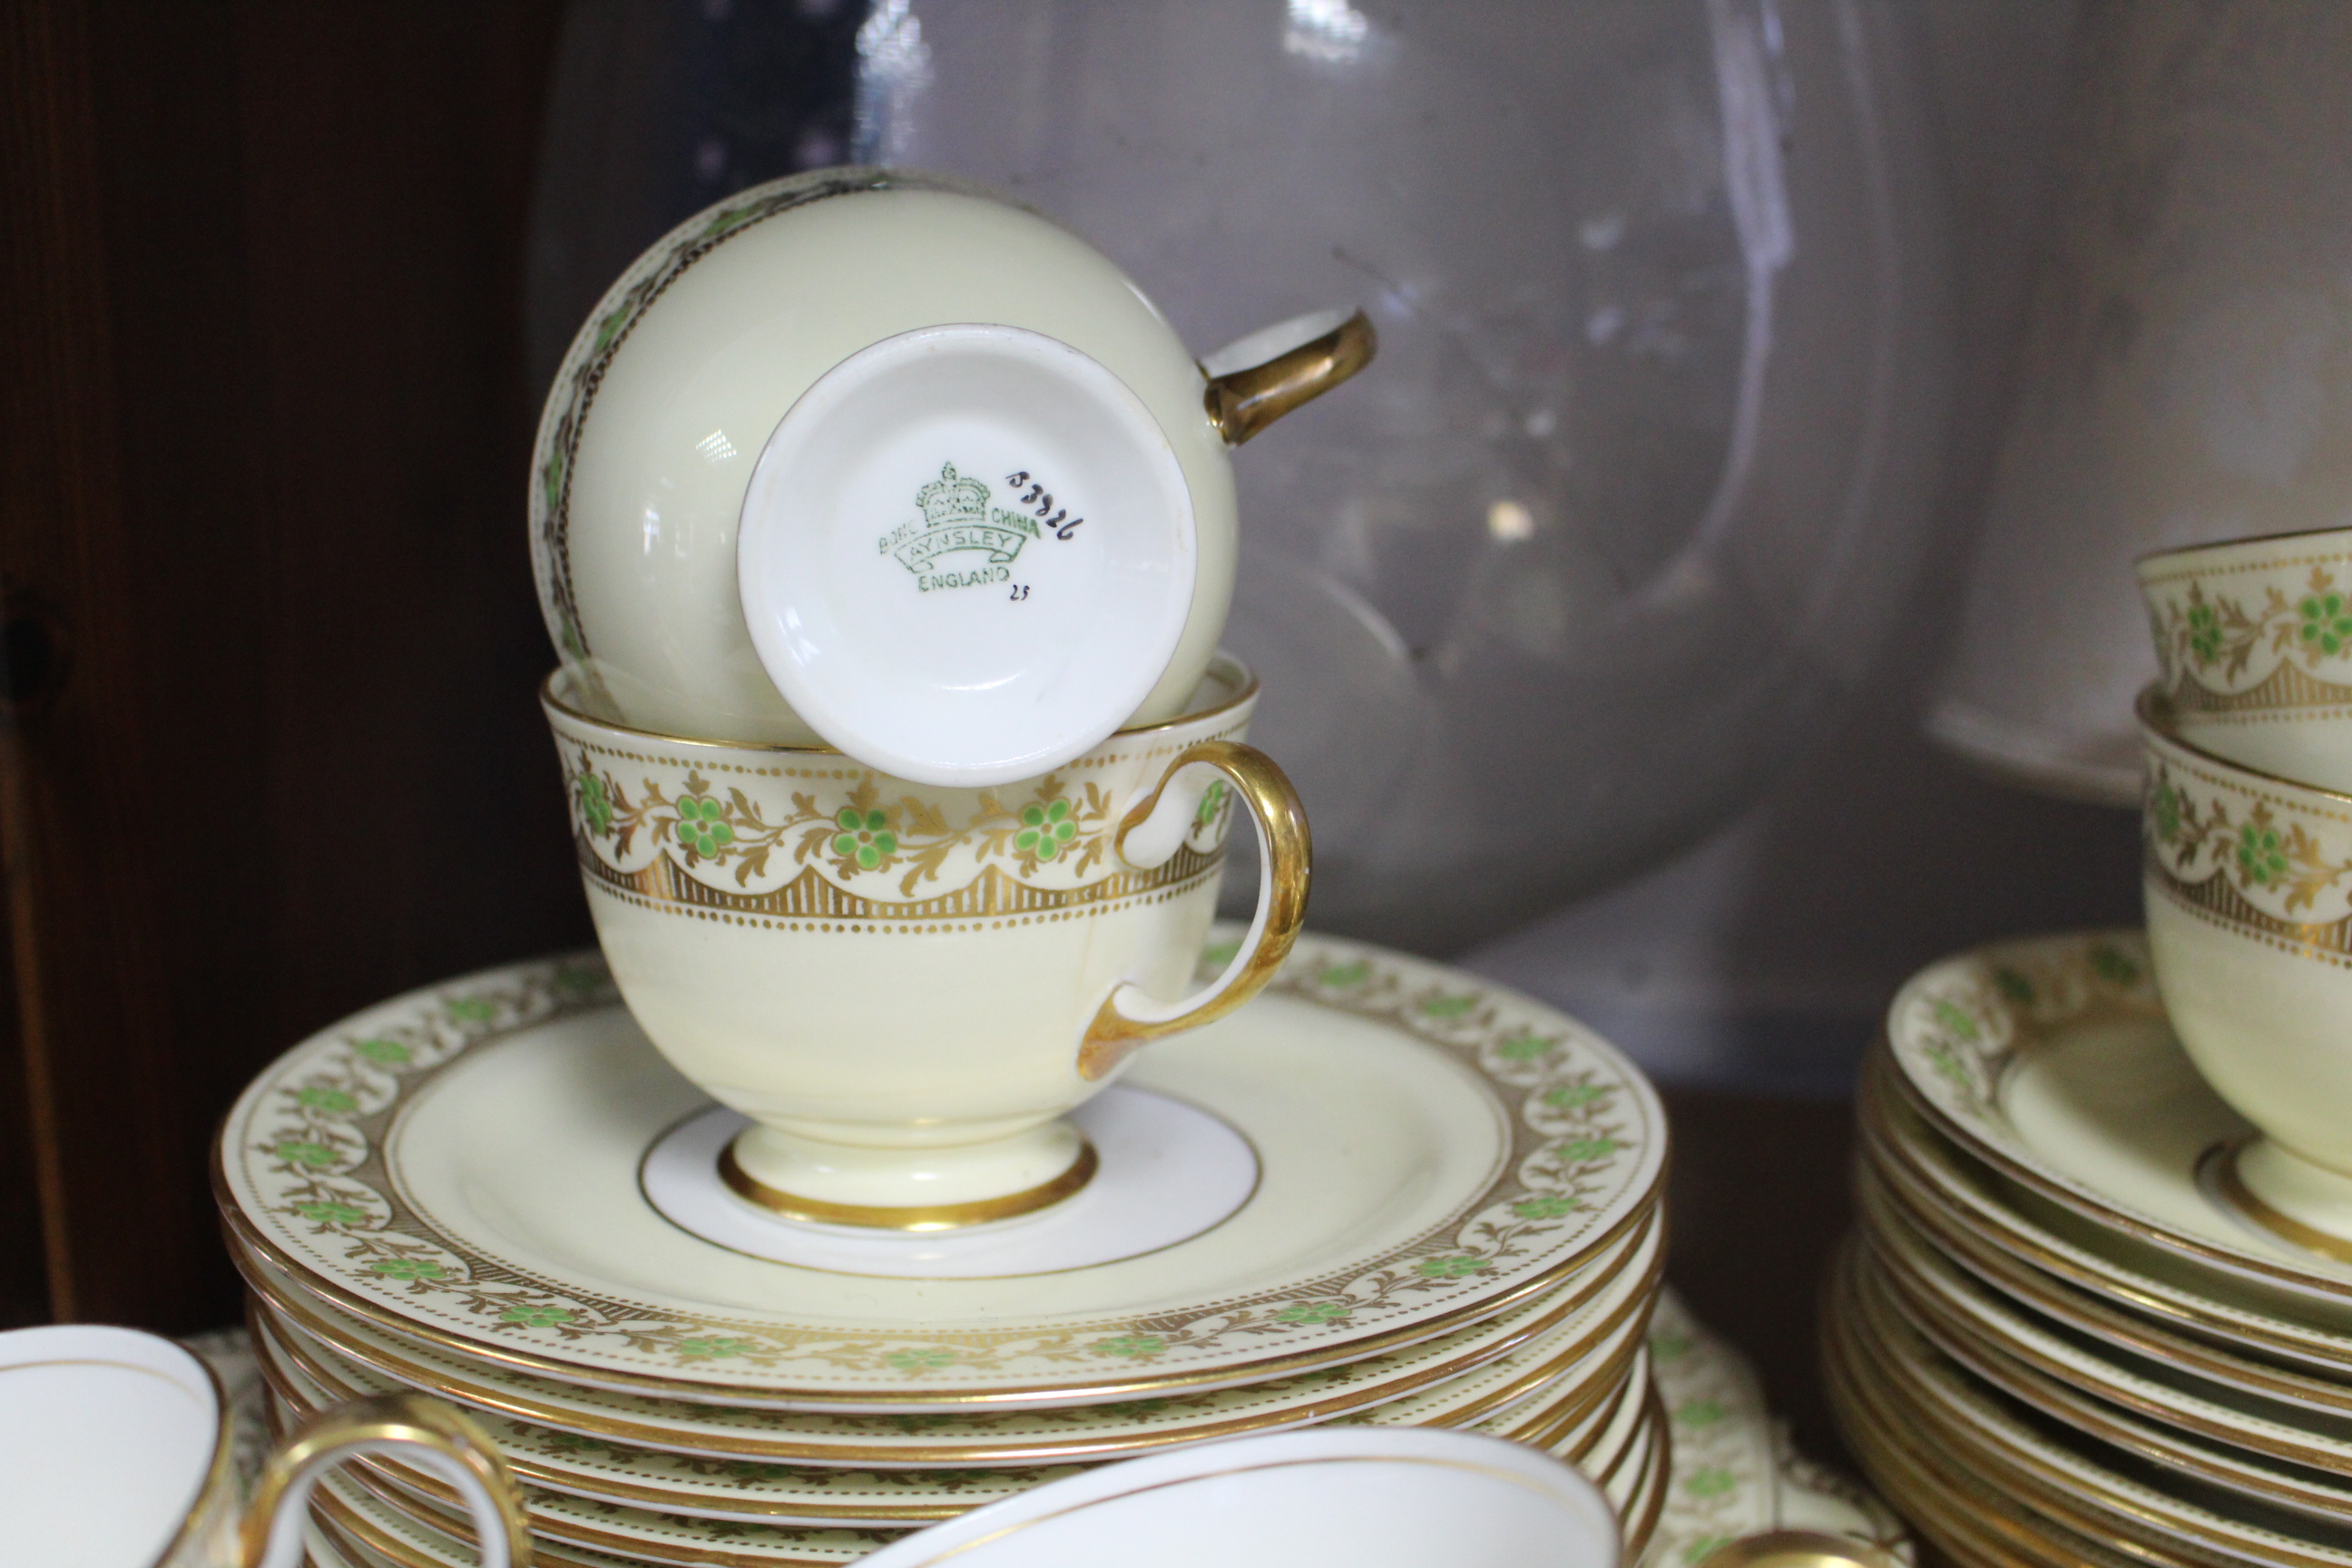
(886, 531)
(2100, 1307)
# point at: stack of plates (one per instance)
(1456, 1223)
(2056, 1339)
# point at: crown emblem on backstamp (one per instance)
(956, 520)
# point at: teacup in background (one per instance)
(2254, 640)
(907, 987)
(115, 1452)
(2249, 896)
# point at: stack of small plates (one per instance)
(2058, 1339)
(1455, 1221)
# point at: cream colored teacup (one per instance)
(2254, 640)
(2249, 889)
(905, 986)
(115, 1452)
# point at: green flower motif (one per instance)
(1448, 1006)
(1568, 1096)
(865, 836)
(406, 1267)
(700, 826)
(579, 977)
(315, 1156)
(2164, 806)
(2259, 858)
(472, 1009)
(930, 1358)
(325, 1213)
(1699, 1412)
(1213, 801)
(1712, 1481)
(1668, 1345)
(536, 1317)
(1339, 977)
(2114, 967)
(389, 1053)
(1459, 1266)
(2326, 623)
(1578, 1151)
(2204, 634)
(1525, 1048)
(1314, 1312)
(713, 1347)
(595, 806)
(334, 1100)
(2013, 985)
(1952, 1018)
(1551, 1207)
(1045, 830)
(1130, 1345)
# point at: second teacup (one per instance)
(2248, 889)
(2254, 640)
(906, 986)
(116, 1452)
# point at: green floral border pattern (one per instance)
(2227, 651)
(1955, 1027)
(802, 843)
(608, 327)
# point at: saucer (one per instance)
(977, 1436)
(2110, 1283)
(1728, 1476)
(2142, 1409)
(461, 1167)
(1585, 1421)
(1888, 1380)
(1167, 1172)
(2051, 1061)
(967, 555)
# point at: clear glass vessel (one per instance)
(1639, 482)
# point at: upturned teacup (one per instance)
(904, 986)
(116, 1450)
(2253, 637)
(2248, 894)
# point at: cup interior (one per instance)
(107, 1439)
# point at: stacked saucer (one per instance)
(1450, 1219)
(2061, 1335)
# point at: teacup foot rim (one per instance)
(928, 1217)
(2219, 1175)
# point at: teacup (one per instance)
(2249, 892)
(960, 565)
(2254, 640)
(1371, 1498)
(906, 986)
(115, 1448)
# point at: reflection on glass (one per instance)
(1637, 483)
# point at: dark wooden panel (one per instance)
(265, 436)
(1759, 1196)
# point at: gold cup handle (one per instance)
(421, 1431)
(1256, 381)
(1151, 834)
